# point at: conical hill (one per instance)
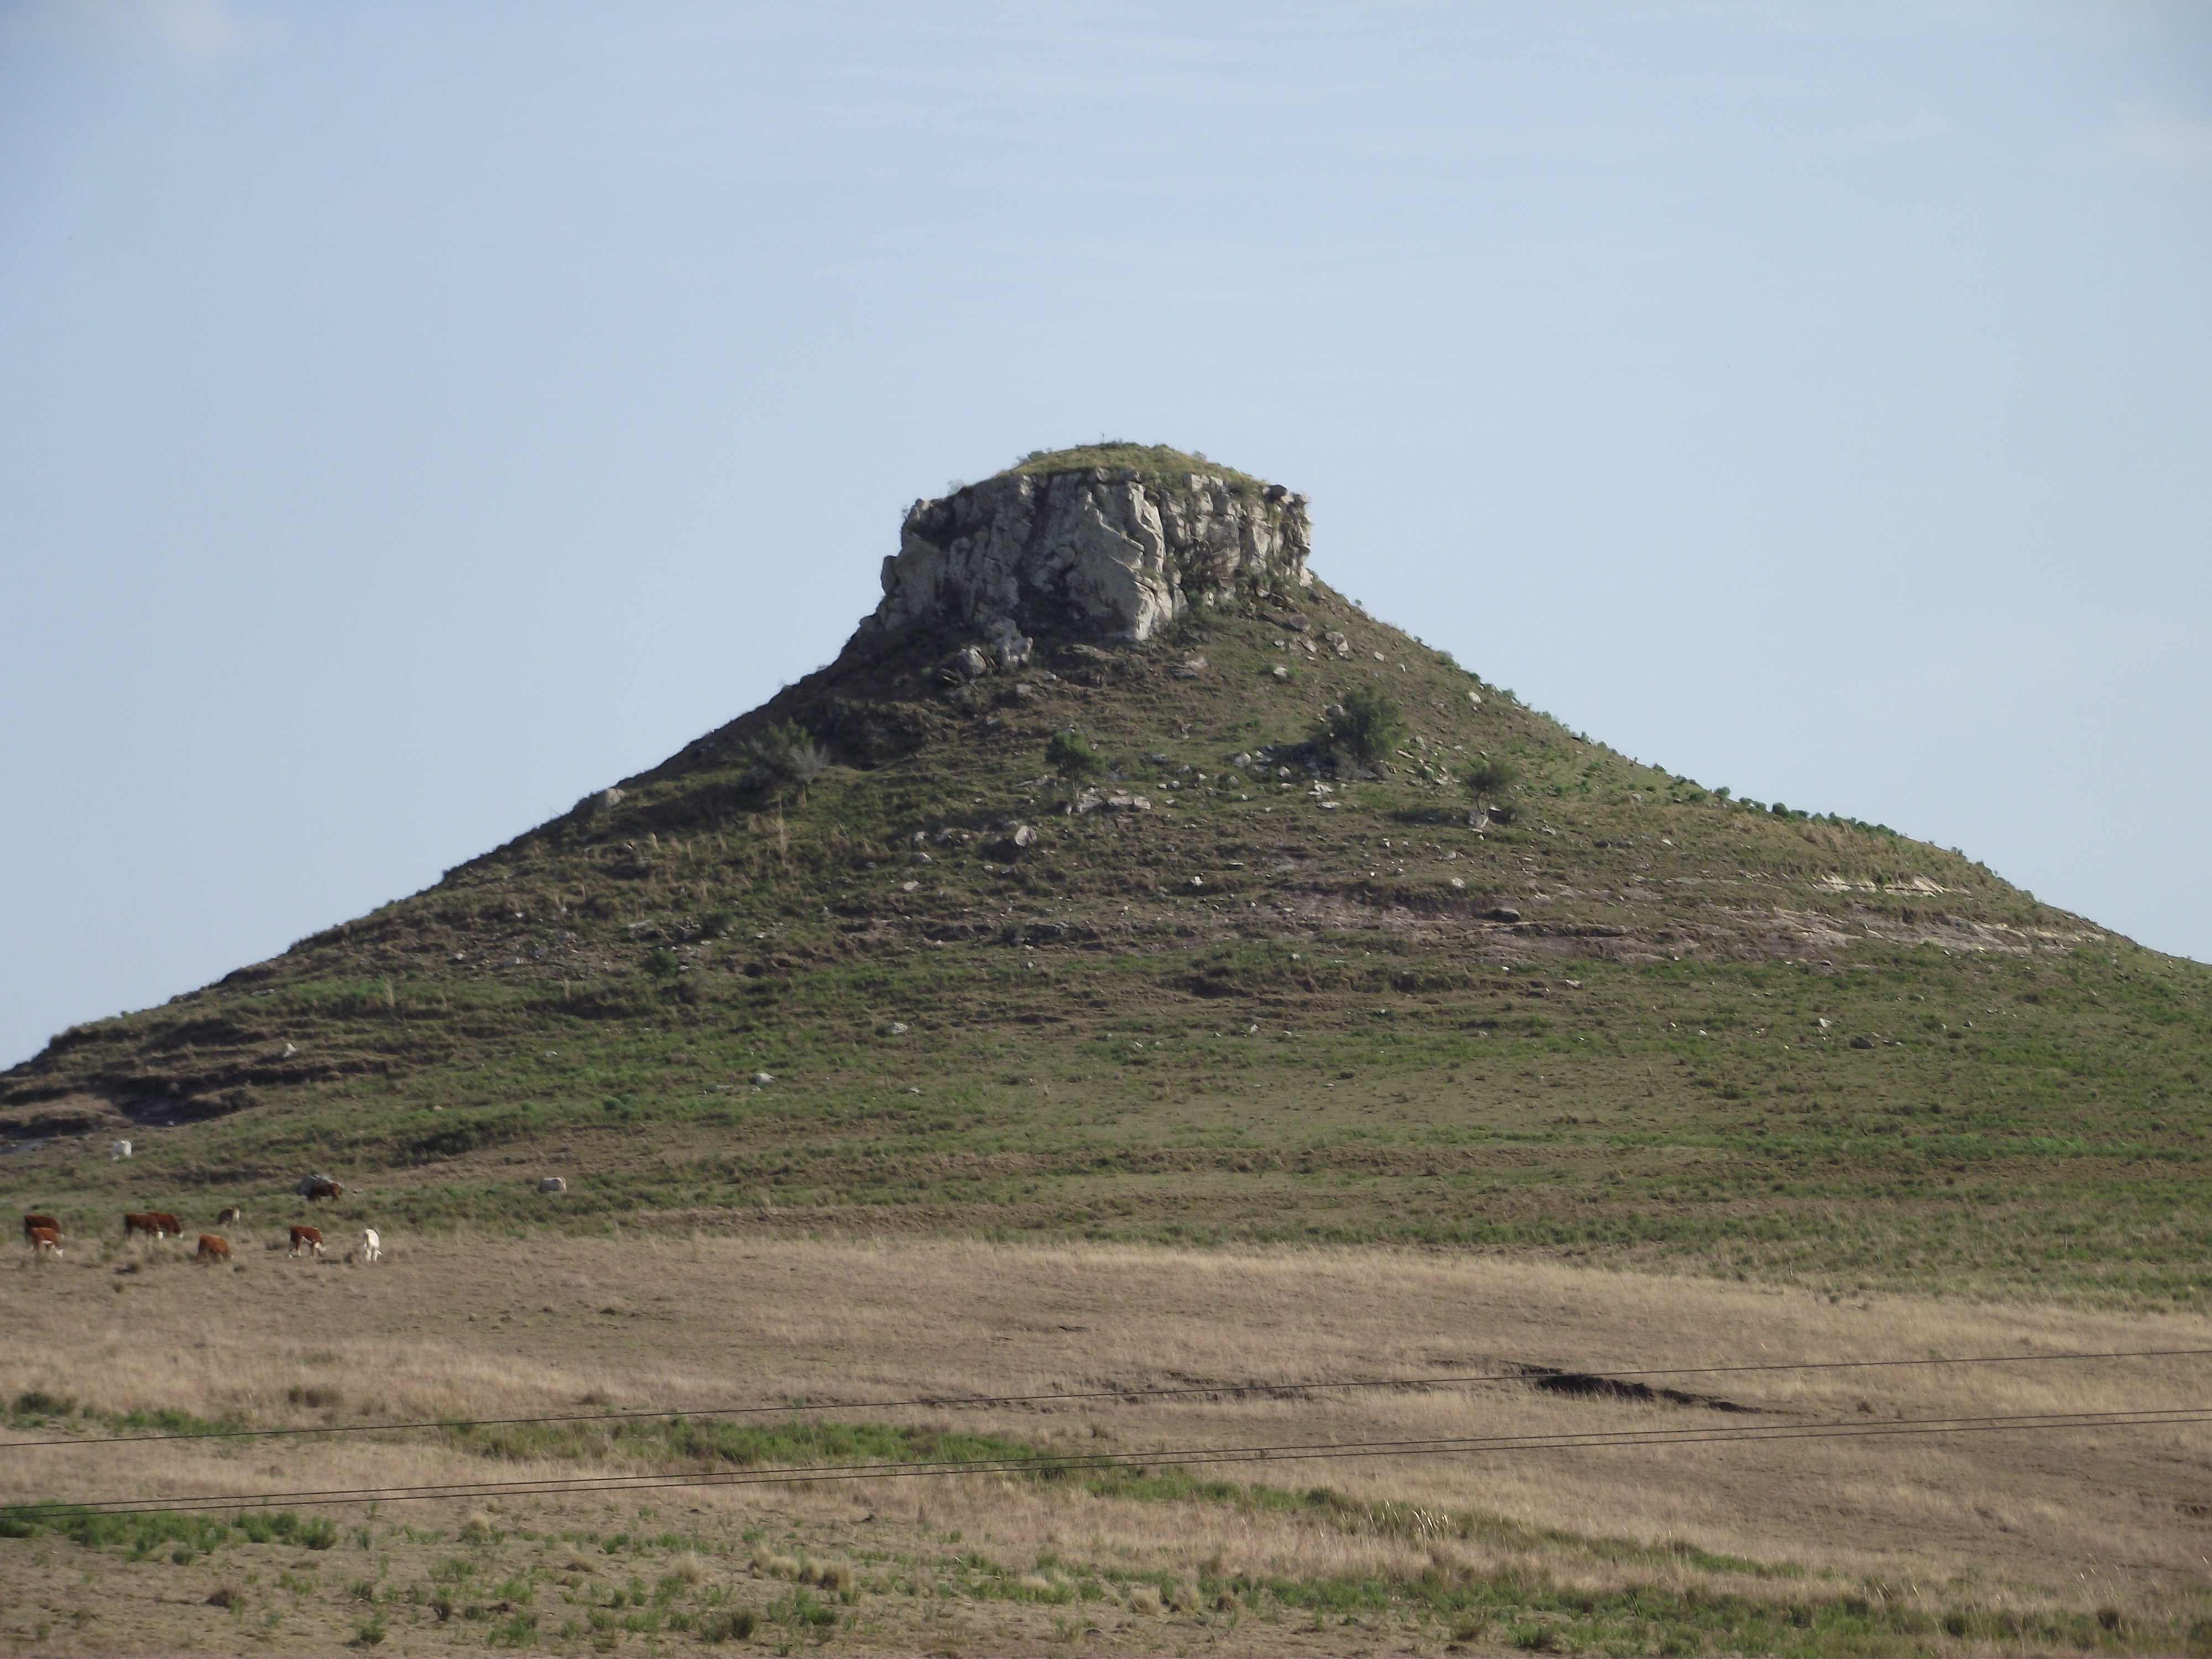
(1119, 878)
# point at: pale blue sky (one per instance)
(417, 415)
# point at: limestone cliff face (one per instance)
(1100, 550)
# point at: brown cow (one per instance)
(230, 1212)
(333, 1190)
(152, 1222)
(213, 1248)
(306, 1238)
(32, 1221)
(45, 1240)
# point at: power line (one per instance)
(940, 1402)
(1180, 1458)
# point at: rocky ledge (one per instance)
(1107, 552)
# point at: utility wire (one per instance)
(946, 1401)
(1181, 1458)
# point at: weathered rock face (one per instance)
(1100, 551)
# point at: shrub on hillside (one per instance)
(1366, 725)
(1070, 755)
(784, 757)
(1488, 779)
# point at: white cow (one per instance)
(372, 1247)
(120, 1149)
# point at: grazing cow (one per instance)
(213, 1248)
(372, 1247)
(231, 1213)
(45, 1240)
(152, 1222)
(33, 1221)
(331, 1190)
(306, 1238)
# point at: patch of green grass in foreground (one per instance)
(141, 1535)
(680, 1442)
(1756, 1607)
(39, 1410)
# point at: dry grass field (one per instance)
(2081, 1538)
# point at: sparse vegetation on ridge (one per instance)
(1152, 462)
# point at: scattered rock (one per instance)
(1474, 699)
(967, 663)
(762, 1080)
(1189, 668)
(1501, 912)
(898, 1028)
(1016, 839)
(551, 1184)
(1008, 644)
(1280, 672)
(1338, 643)
(605, 801)
(1093, 800)
(1458, 883)
(1862, 1042)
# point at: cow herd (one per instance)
(43, 1233)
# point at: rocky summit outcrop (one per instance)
(1107, 552)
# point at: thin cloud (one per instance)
(2179, 143)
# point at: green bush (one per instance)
(734, 1625)
(784, 757)
(1489, 778)
(1069, 754)
(1366, 725)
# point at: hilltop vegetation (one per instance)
(1152, 462)
(1316, 986)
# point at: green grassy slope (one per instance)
(1745, 1041)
